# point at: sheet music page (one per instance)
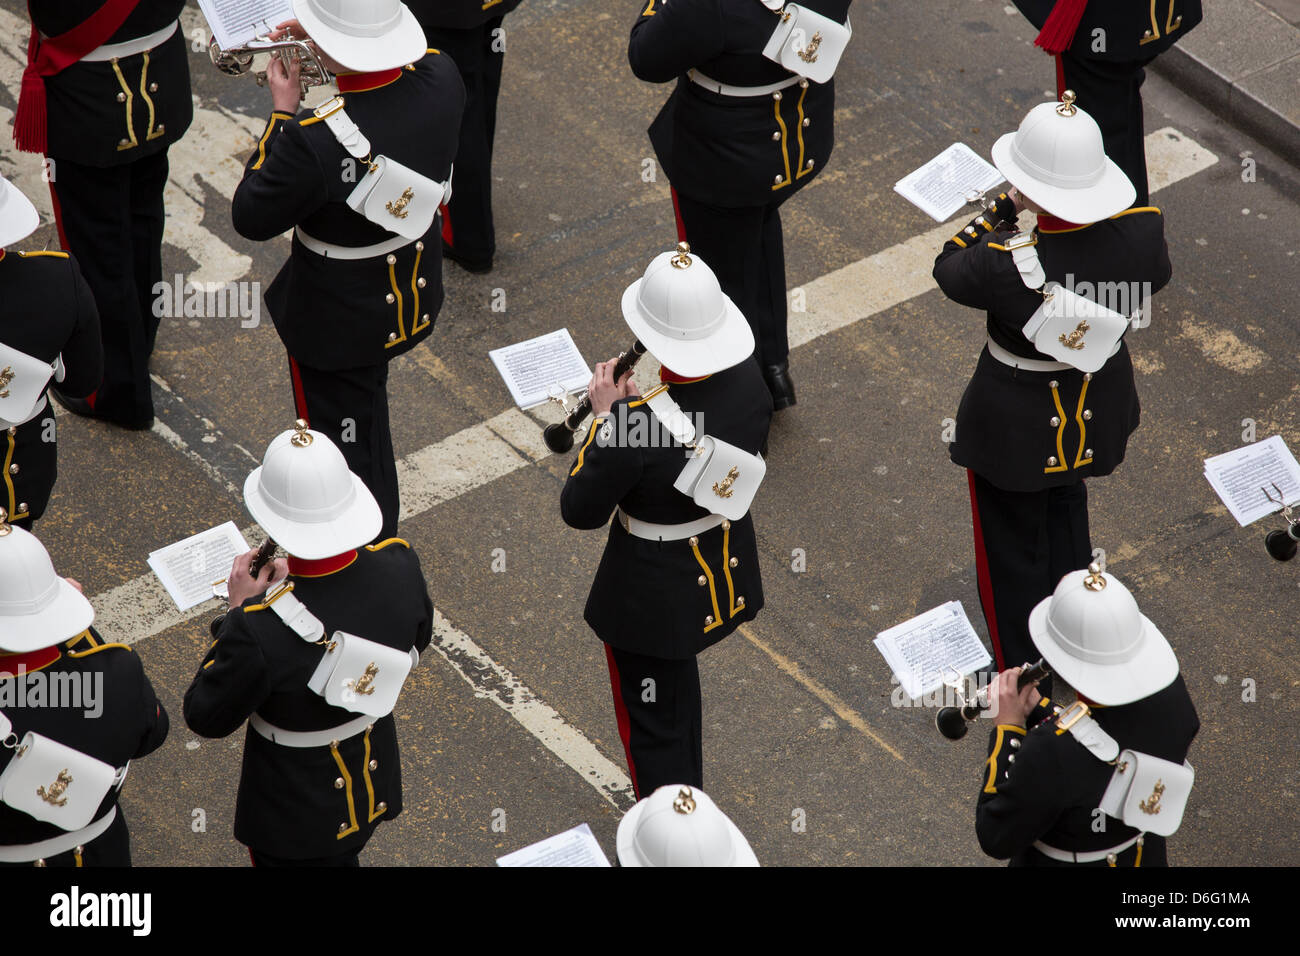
(189, 568)
(939, 188)
(575, 847)
(235, 22)
(931, 646)
(1240, 477)
(533, 368)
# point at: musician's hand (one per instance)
(604, 391)
(242, 586)
(286, 88)
(1009, 705)
(289, 28)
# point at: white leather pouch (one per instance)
(360, 675)
(22, 385)
(807, 43)
(721, 478)
(55, 783)
(1148, 793)
(397, 198)
(1074, 330)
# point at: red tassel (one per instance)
(1058, 31)
(29, 121)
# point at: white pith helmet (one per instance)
(680, 314)
(37, 607)
(679, 826)
(304, 496)
(1092, 634)
(363, 35)
(1056, 158)
(18, 217)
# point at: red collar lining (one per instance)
(365, 82)
(1048, 223)
(320, 567)
(28, 660)
(669, 377)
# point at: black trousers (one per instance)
(1025, 542)
(745, 250)
(110, 848)
(111, 219)
(467, 226)
(1111, 93)
(660, 720)
(350, 407)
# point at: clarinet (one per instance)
(953, 722)
(559, 437)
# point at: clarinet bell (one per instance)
(1281, 545)
(951, 723)
(558, 438)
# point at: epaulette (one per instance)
(97, 648)
(432, 50)
(386, 542)
(1129, 212)
(43, 252)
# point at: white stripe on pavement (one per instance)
(478, 455)
(493, 682)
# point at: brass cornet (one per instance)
(238, 61)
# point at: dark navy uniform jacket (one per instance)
(106, 114)
(726, 150)
(647, 596)
(459, 14)
(310, 802)
(1132, 30)
(346, 313)
(1041, 785)
(131, 724)
(48, 310)
(1026, 431)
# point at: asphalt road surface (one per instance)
(508, 732)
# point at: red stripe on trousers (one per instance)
(1060, 76)
(299, 398)
(448, 236)
(982, 575)
(677, 214)
(620, 712)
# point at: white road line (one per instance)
(493, 682)
(482, 453)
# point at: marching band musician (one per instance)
(676, 576)
(106, 92)
(49, 335)
(1103, 781)
(361, 286)
(321, 769)
(1102, 48)
(470, 32)
(740, 135)
(1041, 415)
(64, 754)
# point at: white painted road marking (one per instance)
(480, 454)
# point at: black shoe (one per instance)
(779, 384)
(82, 407)
(476, 266)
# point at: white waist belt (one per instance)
(116, 51)
(1091, 856)
(1034, 365)
(30, 852)
(667, 532)
(309, 738)
(726, 89)
(331, 251)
